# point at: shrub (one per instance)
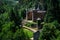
(29, 33)
(20, 35)
(29, 24)
(48, 32)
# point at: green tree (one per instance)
(50, 31)
(52, 10)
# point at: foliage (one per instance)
(52, 10)
(47, 32)
(29, 24)
(20, 35)
(51, 28)
(29, 33)
(10, 21)
(11, 18)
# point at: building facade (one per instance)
(35, 14)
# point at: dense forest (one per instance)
(12, 12)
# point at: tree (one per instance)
(50, 31)
(53, 10)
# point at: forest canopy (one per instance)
(13, 12)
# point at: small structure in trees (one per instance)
(33, 14)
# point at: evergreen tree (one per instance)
(53, 10)
(51, 27)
